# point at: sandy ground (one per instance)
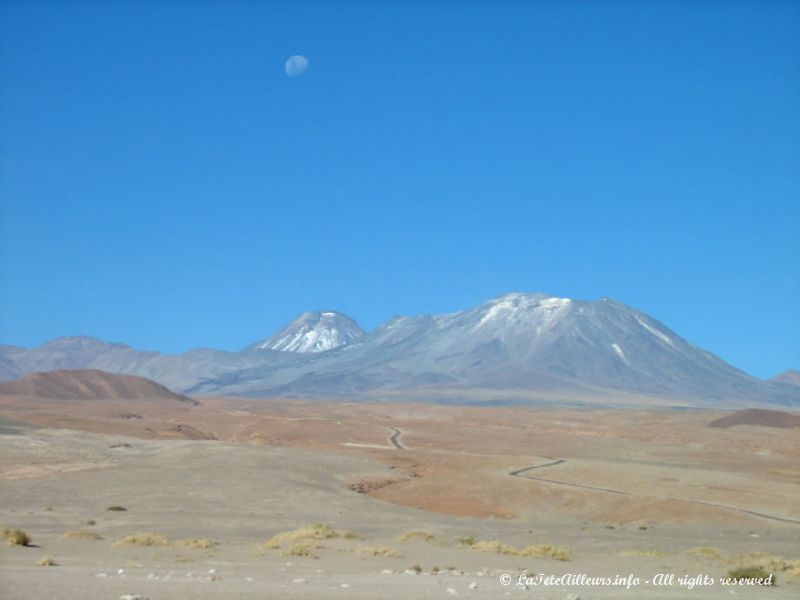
(634, 492)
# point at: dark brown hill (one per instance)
(758, 416)
(89, 384)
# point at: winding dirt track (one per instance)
(557, 461)
(394, 439)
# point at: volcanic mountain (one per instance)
(89, 384)
(507, 347)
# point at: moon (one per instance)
(296, 65)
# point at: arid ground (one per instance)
(417, 501)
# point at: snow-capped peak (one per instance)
(313, 332)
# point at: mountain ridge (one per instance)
(514, 344)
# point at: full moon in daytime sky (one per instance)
(296, 65)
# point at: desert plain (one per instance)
(240, 498)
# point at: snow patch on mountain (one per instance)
(620, 353)
(660, 335)
(512, 307)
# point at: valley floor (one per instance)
(422, 502)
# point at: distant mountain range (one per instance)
(518, 348)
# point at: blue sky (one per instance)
(165, 184)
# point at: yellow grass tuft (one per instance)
(467, 540)
(81, 535)
(150, 538)
(708, 552)
(377, 551)
(197, 543)
(546, 551)
(767, 562)
(316, 531)
(750, 560)
(535, 551)
(15, 537)
(494, 546)
(46, 561)
(423, 536)
(305, 550)
(749, 572)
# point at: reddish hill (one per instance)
(758, 416)
(89, 384)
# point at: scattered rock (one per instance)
(345, 585)
(132, 597)
(473, 585)
(451, 591)
(387, 572)
(299, 580)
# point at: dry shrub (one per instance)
(751, 560)
(423, 536)
(546, 551)
(708, 552)
(82, 535)
(494, 546)
(376, 551)
(197, 543)
(150, 538)
(536, 551)
(767, 562)
(467, 540)
(46, 561)
(305, 550)
(751, 572)
(316, 531)
(15, 537)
